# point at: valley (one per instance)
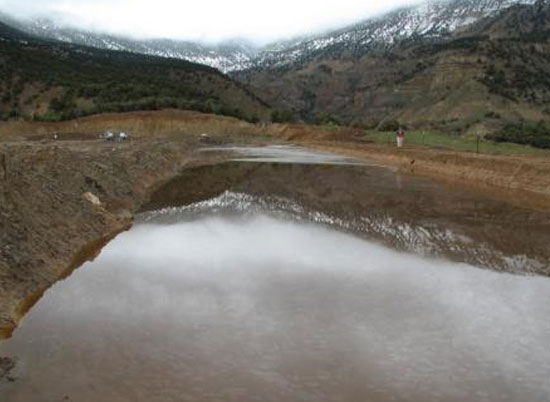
(456, 67)
(360, 213)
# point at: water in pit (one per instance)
(244, 298)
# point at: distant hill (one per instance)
(51, 80)
(227, 56)
(476, 80)
(468, 67)
(429, 20)
(432, 19)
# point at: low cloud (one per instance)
(211, 21)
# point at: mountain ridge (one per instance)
(475, 81)
(435, 18)
(51, 80)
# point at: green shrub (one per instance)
(282, 116)
(326, 118)
(50, 117)
(492, 115)
(536, 135)
(390, 125)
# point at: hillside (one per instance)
(458, 66)
(473, 81)
(227, 56)
(50, 80)
(432, 19)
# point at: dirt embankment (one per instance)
(62, 200)
(520, 180)
(147, 124)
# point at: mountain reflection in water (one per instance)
(245, 306)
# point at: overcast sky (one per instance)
(205, 20)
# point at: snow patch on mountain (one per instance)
(434, 18)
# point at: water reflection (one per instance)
(404, 212)
(248, 307)
(287, 154)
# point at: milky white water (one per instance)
(248, 307)
(287, 154)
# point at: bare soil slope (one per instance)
(61, 200)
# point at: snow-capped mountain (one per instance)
(226, 56)
(434, 18)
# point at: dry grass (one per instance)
(165, 123)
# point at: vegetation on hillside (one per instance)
(536, 135)
(471, 82)
(430, 139)
(48, 80)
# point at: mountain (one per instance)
(473, 80)
(227, 56)
(53, 80)
(460, 66)
(433, 19)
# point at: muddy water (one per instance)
(262, 289)
(406, 213)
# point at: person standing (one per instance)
(400, 136)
